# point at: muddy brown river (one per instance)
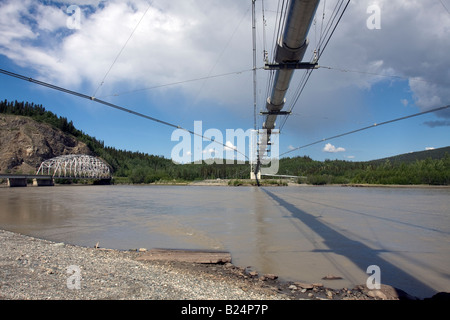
(299, 233)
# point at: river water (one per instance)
(299, 233)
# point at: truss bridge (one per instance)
(73, 166)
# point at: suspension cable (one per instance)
(84, 96)
(324, 38)
(121, 50)
(368, 127)
(178, 82)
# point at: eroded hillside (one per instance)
(25, 143)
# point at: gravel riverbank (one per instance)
(35, 269)
(38, 269)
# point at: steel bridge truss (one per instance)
(75, 166)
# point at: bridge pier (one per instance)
(20, 180)
(17, 182)
(103, 182)
(43, 182)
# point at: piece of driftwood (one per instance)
(331, 277)
(194, 256)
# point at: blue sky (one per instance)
(160, 48)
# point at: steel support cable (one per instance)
(276, 35)
(222, 52)
(179, 82)
(375, 74)
(368, 127)
(323, 19)
(320, 51)
(300, 89)
(444, 6)
(280, 17)
(283, 23)
(298, 92)
(292, 31)
(84, 96)
(274, 39)
(334, 29)
(278, 30)
(329, 25)
(264, 31)
(121, 50)
(330, 22)
(265, 58)
(265, 51)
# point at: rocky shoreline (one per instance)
(36, 269)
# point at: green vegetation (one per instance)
(420, 170)
(427, 167)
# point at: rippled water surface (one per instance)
(298, 233)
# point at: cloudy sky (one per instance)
(189, 60)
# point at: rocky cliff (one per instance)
(25, 143)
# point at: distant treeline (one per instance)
(428, 167)
(388, 171)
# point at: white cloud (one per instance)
(175, 41)
(332, 149)
(230, 146)
(404, 102)
(186, 39)
(50, 18)
(14, 29)
(412, 44)
(427, 95)
(429, 148)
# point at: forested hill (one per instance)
(414, 156)
(425, 167)
(431, 167)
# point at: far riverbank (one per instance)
(240, 182)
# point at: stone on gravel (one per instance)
(304, 285)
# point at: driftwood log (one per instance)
(194, 256)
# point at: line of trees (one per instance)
(419, 171)
(137, 167)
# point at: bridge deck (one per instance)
(24, 176)
(45, 177)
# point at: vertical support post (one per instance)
(254, 175)
(254, 61)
